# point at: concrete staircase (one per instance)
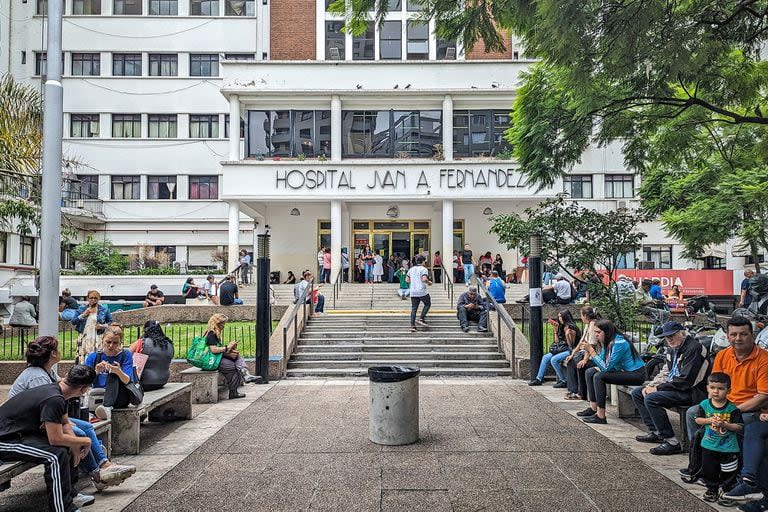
(382, 297)
(346, 344)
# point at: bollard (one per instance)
(393, 406)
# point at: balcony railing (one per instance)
(29, 188)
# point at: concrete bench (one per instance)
(199, 302)
(10, 470)
(208, 387)
(627, 409)
(172, 401)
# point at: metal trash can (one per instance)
(393, 406)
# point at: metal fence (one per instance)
(14, 340)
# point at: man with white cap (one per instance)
(559, 292)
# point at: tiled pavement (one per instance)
(485, 445)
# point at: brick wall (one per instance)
(292, 30)
(478, 52)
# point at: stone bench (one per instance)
(199, 302)
(208, 387)
(172, 401)
(627, 409)
(10, 470)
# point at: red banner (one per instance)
(691, 282)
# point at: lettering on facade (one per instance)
(448, 178)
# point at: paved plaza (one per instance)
(486, 444)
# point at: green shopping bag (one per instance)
(200, 355)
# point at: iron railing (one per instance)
(301, 303)
(337, 286)
(14, 340)
(447, 283)
(502, 316)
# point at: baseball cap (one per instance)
(670, 328)
(153, 287)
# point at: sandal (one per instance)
(572, 396)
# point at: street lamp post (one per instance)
(536, 338)
(263, 316)
(50, 229)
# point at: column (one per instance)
(234, 128)
(336, 231)
(335, 129)
(448, 129)
(234, 235)
(447, 250)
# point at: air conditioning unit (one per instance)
(621, 205)
(334, 54)
(450, 53)
(646, 265)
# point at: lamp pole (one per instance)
(263, 316)
(536, 338)
(50, 229)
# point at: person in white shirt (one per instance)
(210, 289)
(378, 268)
(559, 292)
(418, 280)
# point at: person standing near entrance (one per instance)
(437, 267)
(467, 263)
(418, 280)
(320, 256)
(344, 265)
(368, 264)
(378, 267)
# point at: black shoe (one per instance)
(586, 413)
(560, 384)
(535, 382)
(595, 419)
(232, 396)
(686, 472)
(666, 448)
(711, 495)
(651, 438)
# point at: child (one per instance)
(404, 289)
(720, 444)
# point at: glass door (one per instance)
(401, 245)
(381, 244)
(420, 245)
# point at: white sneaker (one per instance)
(115, 474)
(103, 413)
(83, 500)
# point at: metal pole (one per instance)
(50, 229)
(536, 335)
(262, 311)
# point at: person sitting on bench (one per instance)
(472, 308)
(114, 368)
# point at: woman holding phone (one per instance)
(232, 365)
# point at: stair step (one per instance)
(363, 372)
(374, 348)
(397, 356)
(426, 363)
(395, 341)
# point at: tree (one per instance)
(99, 257)
(576, 240)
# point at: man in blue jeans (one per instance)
(752, 480)
(466, 263)
(675, 385)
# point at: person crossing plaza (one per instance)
(418, 280)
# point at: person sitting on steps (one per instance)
(471, 307)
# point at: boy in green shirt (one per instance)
(720, 444)
(404, 289)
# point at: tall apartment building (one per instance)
(200, 122)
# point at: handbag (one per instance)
(135, 391)
(558, 347)
(199, 355)
(139, 358)
(232, 354)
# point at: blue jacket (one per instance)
(103, 316)
(655, 292)
(621, 359)
(497, 290)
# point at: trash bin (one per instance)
(393, 407)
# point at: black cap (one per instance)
(670, 328)
(153, 287)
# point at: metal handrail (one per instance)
(447, 283)
(300, 303)
(501, 315)
(337, 286)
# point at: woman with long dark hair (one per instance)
(578, 361)
(617, 363)
(367, 264)
(568, 334)
(159, 349)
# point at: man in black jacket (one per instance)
(472, 307)
(677, 384)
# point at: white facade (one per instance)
(179, 134)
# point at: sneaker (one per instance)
(560, 384)
(586, 412)
(666, 448)
(535, 382)
(421, 322)
(743, 491)
(755, 506)
(103, 413)
(724, 501)
(465, 329)
(413, 328)
(83, 500)
(684, 471)
(711, 495)
(482, 329)
(652, 438)
(595, 419)
(114, 474)
(232, 396)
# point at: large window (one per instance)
(41, 63)
(42, 7)
(27, 247)
(578, 186)
(127, 7)
(335, 40)
(204, 7)
(415, 5)
(388, 133)
(203, 187)
(168, 250)
(479, 132)
(87, 186)
(84, 125)
(391, 40)
(163, 7)
(242, 126)
(289, 133)
(240, 56)
(418, 40)
(239, 8)
(126, 187)
(86, 64)
(86, 7)
(204, 64)
(161, 187)
(204, 126)
(163, 64)
(126, 64)
(619, 186)
(3, 247)
(126, 126)
(363, 46)
(67, 261)
(660, 255)
(162, 126)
